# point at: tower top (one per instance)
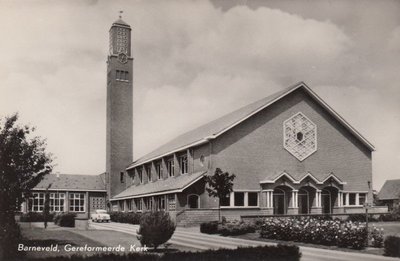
(120, 22)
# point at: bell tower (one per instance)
(119, 142)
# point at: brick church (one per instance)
(291, 154)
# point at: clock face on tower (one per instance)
(122, 58)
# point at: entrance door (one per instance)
(279, 203)
(303, 203)
(326, 202)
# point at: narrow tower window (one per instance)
(122, 177)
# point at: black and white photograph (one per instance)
(199, 130)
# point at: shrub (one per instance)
(376, 236)
(35, 217)
(65, 219)
(316, 231)
(209, 227)
(126, 217)
(155, 229)
(235, 228)
(392, 246)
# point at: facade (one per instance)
(389, 195)
(80, 194)
(291, 154)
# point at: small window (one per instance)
(352, 199)
(299, 136)
(138, 203)
(170, 167)
(122, 205)
(344, 199)
(202, 159)
(239, 199)
(362, 198)
(159, 170)
(140, 175)
(148, 172)
(183, 164)
(122, 177)
(225, 202)
(252, 199)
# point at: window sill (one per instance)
(239, 207)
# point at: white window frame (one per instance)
(183, 164)
(139, 204)
(171, 167)
(56, 198)
(148, 172)
(159, 170)
(37, 196)
(246, 199)
(346, 196)
(74, 196)
(140, 175)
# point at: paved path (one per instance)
(191, 237)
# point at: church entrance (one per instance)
(281, 200)
(303, 202)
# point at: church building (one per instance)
(291, 154)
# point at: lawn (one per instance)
(35, 235)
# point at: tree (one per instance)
(156, 228)
(23, 164)
(46, 210)
(219, 185)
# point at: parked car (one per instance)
(100, 215)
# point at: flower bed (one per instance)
(317, 231)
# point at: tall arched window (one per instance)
(194, 201)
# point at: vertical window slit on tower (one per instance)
(122, 75)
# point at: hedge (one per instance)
(35, 217)
(392, 246)
(265, 253)
(232, 228)
(65, 219)
(126, 217)
(322, 232)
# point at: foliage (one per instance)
(23, 164)
(376, 236)
(65, 219)
(10, 237)
(235, 228)
(226, 228)
(126, 217)
(393, 215)
(316, 231)
(219, 185)
(155, 229)
(209, 227)
(392, 246)
(276, 253)
(36, 217)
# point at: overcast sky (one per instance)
(195, 61)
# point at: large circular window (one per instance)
(300, 136)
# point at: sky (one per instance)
(195, 61)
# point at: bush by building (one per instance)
(65, 219)
(156, 228)
(126, 217)
(265, 253)
(36, 217)
(316, 231)
(232, 228)
(392, 246)
(209, 227)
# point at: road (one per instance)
(191, 237)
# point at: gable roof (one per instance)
(219, 126)
(72, 182)
(390, 190)
(170, 185)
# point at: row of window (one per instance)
(170, 164)
(158, 203)
(354, 199)
(57, 202)
(122, 75)
(241, 199)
